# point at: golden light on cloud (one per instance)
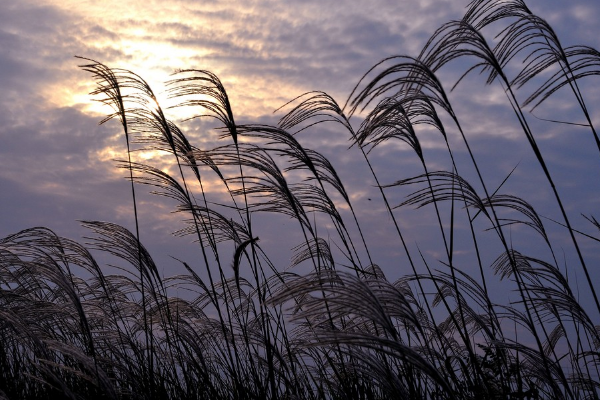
(155, 39)
(109, 153)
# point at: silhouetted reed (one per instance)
(251, 329)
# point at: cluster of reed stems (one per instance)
(247, 328)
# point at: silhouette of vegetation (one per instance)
(247, 328)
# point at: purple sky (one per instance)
(56, 162)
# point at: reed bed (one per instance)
(238, 325)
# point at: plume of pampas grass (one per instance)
(249, 328)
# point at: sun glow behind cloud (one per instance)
(154, 39)
(265, 48)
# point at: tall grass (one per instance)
(249, 328)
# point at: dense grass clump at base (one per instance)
(238, 325)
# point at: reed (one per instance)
(249, 328)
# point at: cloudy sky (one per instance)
(57, 164)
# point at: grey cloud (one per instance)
(42, 144)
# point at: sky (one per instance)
(57, 163)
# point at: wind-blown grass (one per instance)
(251, 329)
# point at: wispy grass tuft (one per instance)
(330, 325)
